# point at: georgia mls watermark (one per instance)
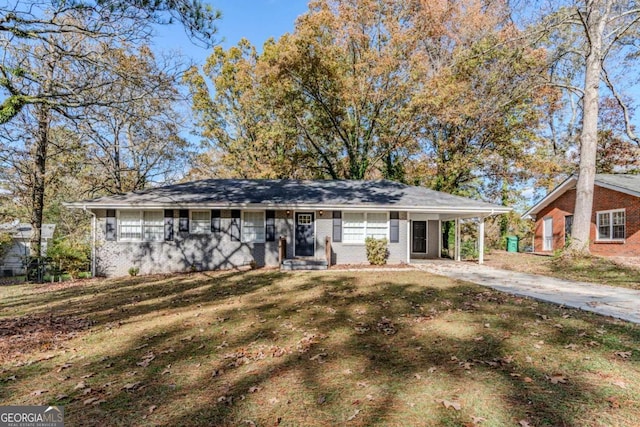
(31, 416)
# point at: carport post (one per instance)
(481, 240)
(457, 250)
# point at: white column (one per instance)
(409, 237)
(481, 240)
(457, 250)
(439, 238)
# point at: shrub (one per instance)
(377, 252)
(67, 256)
(133, 271)
(6, 241)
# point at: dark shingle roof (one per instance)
(319, 193)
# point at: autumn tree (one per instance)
(56, 62)
(591, 42)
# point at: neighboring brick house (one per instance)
(213, 224)
(615, 221)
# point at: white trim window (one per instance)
(611, 225)
(253, 227)
(357, 226)
(200, 222)
(153, 226)
(137, 226)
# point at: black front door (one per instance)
(304, 234)
(419, 234)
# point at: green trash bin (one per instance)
(512, 243)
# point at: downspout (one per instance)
(93, 241)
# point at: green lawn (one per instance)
(266, 348)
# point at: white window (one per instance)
(611, 225)
(200, 222)
(253, 227)
(141, 226)
(356, 226)
(153, 226)
(130, 223)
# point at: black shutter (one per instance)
(168, 224)
(337, 226)
(215, 221)
(270, 226)
(234, 229)
(394, 227)
(183, 224)
(110, 228)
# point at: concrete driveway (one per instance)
(611, 301)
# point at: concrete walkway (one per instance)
(611, 301)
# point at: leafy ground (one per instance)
(266, 348)
(613, 272)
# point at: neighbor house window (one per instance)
(141, 226)
(253, 227)
(611, 225)
(200, 222)
(356, 226)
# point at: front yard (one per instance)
(265, 348)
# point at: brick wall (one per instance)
(603, 199)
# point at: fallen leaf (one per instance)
(432, 369)
(152, 408)
(613, 402)
(91, 400)
(88, 375)
(38, 392)
(131, 386)
(65, 366)
(355, 414)
(623, 354)
(571, 346)
(250, 423)
(321, 400)
(524, 423)
(274, 400)
(620, 384)
(254, 389)
(558, 378)
(527, 380)
(450, 404)
(417, 376)
(477, 420)
(80, 386)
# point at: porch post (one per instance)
(409, 237)
(457, 250)
(481, 240)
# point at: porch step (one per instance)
(303, 264)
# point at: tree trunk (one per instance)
(594, 19)
(43, 116)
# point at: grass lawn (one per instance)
(589, 269)
(265, 348)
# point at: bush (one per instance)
(66, 256)
(377, 252)
(6, 241)
(133, 271)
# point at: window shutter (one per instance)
(394, 227)
(337, 226)
(215, 221)
(270, 226)
(168, 224)
(234, 230)
(110, 227)
(183, 224)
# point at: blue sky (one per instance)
(255, 20)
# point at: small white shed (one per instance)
(13, 262)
